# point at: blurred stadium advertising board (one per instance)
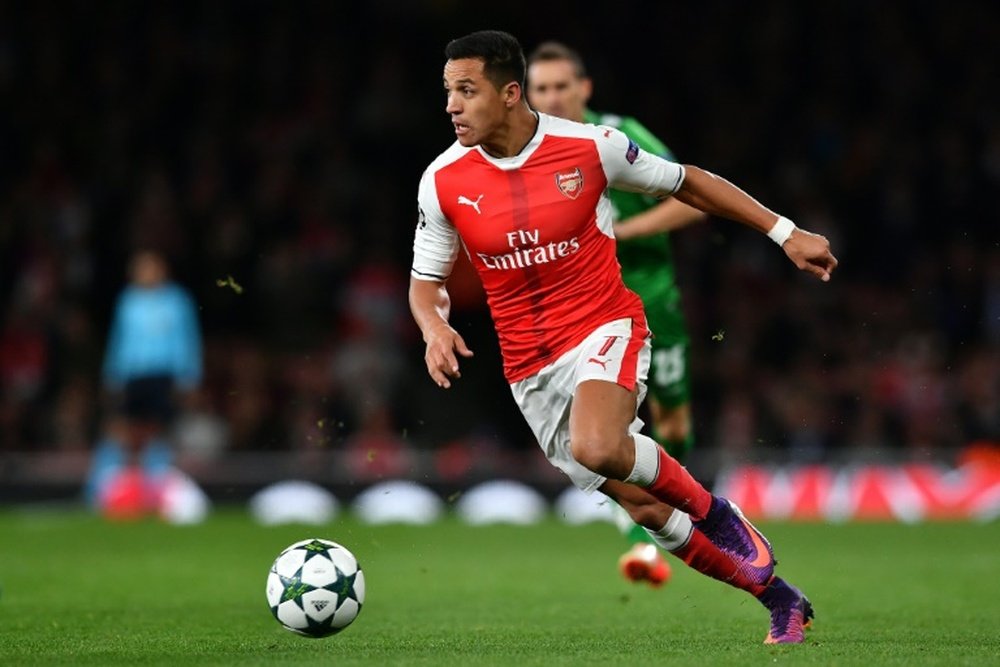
(909, 493)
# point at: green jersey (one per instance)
(648, 270)
(647, 263)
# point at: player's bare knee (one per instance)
(597, 453)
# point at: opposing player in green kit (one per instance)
(558, 85)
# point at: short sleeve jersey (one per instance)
(537, 228)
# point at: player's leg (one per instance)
(608, 373)
(672, 427)
(669, 391)
(674, 531)
(667, 401)
(108, 459)
(641, 563)
(545, 401)
(600, 417)
(717, 518)
(669, 408)
(570, 410)
(599, 427)
(600, 441)
(670, 388)
(790, 610)
(607, 381)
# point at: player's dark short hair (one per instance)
(549, 51)
(501, 53)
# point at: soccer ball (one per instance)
(315, 588)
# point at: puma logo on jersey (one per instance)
(602, 363)
(462, 199)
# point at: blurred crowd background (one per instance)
(271, 152)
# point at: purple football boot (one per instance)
(791, 612)
(727, 528)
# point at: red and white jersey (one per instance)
(538, 229)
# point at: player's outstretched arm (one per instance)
(667, 216)
(717, 196)
(431, 305)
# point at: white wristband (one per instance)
(781, 230)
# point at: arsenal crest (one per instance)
(570, 183)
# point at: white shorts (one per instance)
(615, 352)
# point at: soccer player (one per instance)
(154, 352)
(558, 85)
(524, 193)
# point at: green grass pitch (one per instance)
(77, 591)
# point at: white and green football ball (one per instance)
(315, 588)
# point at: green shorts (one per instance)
(669, 379)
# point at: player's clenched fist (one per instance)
(442, 344)
(810, 252)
